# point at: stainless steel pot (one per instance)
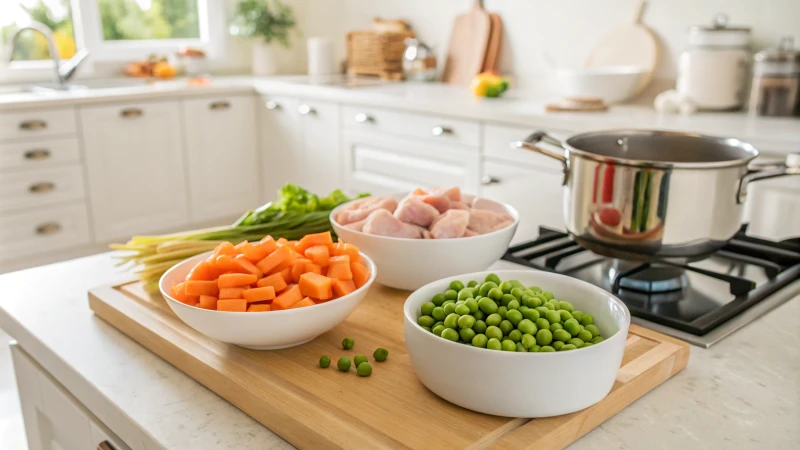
(649, 195)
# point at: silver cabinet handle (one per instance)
(37, 154)
(441, 131)
(33, 125)
(219, 105)
(272, 105)
(48, 228)
(364, 118)
(131, 112)
(306, 110)
(105, 445)
(487, 180)
(42, 187)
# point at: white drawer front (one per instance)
(34, 124)
(435, 128)
(43, 230)
(38, 153)
(497, 144)
(39, 187)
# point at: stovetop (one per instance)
(700, 302)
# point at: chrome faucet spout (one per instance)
(63, 72)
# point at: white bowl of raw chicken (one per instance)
(408, 255)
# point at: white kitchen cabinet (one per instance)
(281, 144)
(135, 168)
(536, 194)
(221, 156)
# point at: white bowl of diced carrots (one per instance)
(270, 294)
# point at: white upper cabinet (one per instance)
(320, 170)
(135, 168)
(221, 156)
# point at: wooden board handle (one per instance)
(638, 9)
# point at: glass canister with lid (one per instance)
(776, 81)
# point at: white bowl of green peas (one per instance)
(516, 343)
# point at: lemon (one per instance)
(479, 85)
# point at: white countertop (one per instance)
(773, 135)
(742, 393)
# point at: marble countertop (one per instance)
(773, 135)
(742, 393)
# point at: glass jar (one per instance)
(776, 81)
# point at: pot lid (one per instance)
(785, 52)
(719, 34)
(720, 23)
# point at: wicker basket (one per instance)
(376, 53)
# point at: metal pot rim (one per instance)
(744, 146)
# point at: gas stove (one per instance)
(700, 302)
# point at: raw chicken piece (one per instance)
(458, 205)
(483, 221)
(503, 224)
(361, 209)
(440, 202)
(383, 223)
(452, 193)
(467, 199)
(414, 211)
(451, 224)
(469, 233)
(358, 226)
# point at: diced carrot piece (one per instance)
(240, 246)
(225, 248)
(318, 254)
(342, 259)
(342, 287)
(223, 263)
(418, 191)
(258, 308)
(286, 274)
(197, 287)
(351, 251)
(311, 267)
(179, 293)
(208, 302)
(311, 240)
(270, 262)
(258, 251)
(232, 305)
(282, 242)
(287, 263)
(360, 273)
(314, 285)
(275, 280)
(340, 271)
(298, 268)
(231, 280)
(304, 302)
(231, 292)
(259, 294)
(203, 271)
(243, 265)
(287, 298)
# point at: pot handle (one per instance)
(790, 167)
(541, 136)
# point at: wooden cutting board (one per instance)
(310, 407)
(492, 59)
(467, 49)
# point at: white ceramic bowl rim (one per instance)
(510, 210)
(370, 265)
(409, 315)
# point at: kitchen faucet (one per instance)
(64, 71)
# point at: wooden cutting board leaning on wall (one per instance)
(468, 43)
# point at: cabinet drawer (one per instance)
(497, 141)
(433, 128)
(38, 153)
(43, 230)
(39, 187)
(34, 124)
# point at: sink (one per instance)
(82, 86)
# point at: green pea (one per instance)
(577, 315)
(438, 299)
(494, 319)
(597, 339)
(480, 340)
(526, 326)
(531, 314)
(561, 335)
(466, 321)
(521, 348)
(544, 337)
(506, 299)
(502, 311)
(542, 324)
(456, 285)
(587, 344)
(438, 313)
(566, 306)
(553, 316)
(441, 322)
(487, 305)
(522, 309)
(515, 335)
(587, 320)
(451, 321)
(556, 326)
(535, 349)
(493, 278)
(572, 326)
(364, 369)
(449, 308)
(472, 283)
(423, 321)
(509, 345)
(495, 294)
(518, 293)
(428, 329)
(465, 294)
(506, 287)
(565, 315)
(479, 326)
(506, 327)
(466, 334)
(514, 316)
(462, 310)
(557, 345)
(513, 304)
(427, 308)
(494, 332)
(535, 288)
(343, 364)
(546, 349)
(548, 295)
(525, 301)
(568, 347)
(486, 287)
(448, 302)
(450, 334)
(459, 302)
(592, 329)
(472, 304)
(348, 343)
(479, 315)
(324, 362)
(577, 342)
(585, 335)
(535, 302)
(528, 340)
(542, 310)
(451, 295)
(551, 306)
(437, 330)
(380, 354)
(494, 344)
(358, 359)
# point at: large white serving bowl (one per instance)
(270, 330)
(521, 384)
(410, 263)
(613, 84)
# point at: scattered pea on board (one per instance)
(344, 364)
(364, 369)
(504, 315)
(324, 362)
(380, 354)
(348, 343)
